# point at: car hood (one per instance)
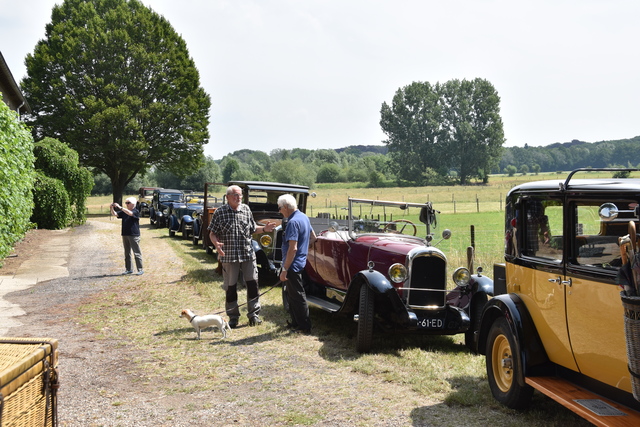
(396, 244)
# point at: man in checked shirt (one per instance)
(230, 231)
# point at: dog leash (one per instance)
(252, 299)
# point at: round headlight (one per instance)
(397, 273)
(265, 240)
(461, 276)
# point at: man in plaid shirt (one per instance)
(230, 231)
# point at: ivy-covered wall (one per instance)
(17, 174)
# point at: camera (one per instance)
(116, 207)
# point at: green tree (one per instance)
(17, 176)
(115, 81)
(329, 172)
(475, 134)
(293, 171)
(413, 126)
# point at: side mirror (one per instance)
(334, 226)
(608, 212)
(446, 234)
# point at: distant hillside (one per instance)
(361, 149)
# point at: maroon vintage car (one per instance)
(377, 269)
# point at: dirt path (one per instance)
(92, 371)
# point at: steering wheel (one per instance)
(405, 222)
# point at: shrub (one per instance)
(56, 160)
(16, 179)
(53, 210)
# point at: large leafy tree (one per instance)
(442, 127)
(474, 126)
(413, 125)
(115, 81)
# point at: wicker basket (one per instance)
(631, 307)
(28, 381)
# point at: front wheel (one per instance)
(365, 319)
(503, 367)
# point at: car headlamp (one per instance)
(265, 241)
(462, 276)
(397, 273)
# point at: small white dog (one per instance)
(201, 322)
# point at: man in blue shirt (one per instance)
(297, 236)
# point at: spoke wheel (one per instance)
(503, 367)
(365, 319)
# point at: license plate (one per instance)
(431, 323)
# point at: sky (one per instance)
(313, 74)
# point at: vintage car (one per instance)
(161, 203)
(556, 323)
(383, 269)
(262, 198)
(145, 195)
(181, 215)
(202, 217)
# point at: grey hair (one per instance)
(232, 188)
(288, 201)
(132, 200)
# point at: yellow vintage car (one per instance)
(557, 321)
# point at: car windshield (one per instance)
(376, 216)
(171, 197)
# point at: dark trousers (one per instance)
(253, 301)
(298, 307)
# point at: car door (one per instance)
(538, 275)
(595, 317)
(330, 259)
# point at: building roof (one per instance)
(11, 93)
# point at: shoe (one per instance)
(233, 323)
(291, 325)
(127, 272)
(254, 321)
(140, 272)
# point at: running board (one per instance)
(590, 406)
(322, 304)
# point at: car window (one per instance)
(596, 239)
(543, 228)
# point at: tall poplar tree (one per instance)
(114, 81)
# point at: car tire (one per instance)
(171, 233)
(475, 316)
(365, 320)
(503, 367)
(195, 240)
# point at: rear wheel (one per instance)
(503, 367)
(365, 319)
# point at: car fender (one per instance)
(382, 288)
(187, 219)
(530, 351)
(484, 283)
(174, 225)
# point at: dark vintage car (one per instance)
(559, 323)
(182, 215)
(381, 272)
(161, 203)
(262, 198)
